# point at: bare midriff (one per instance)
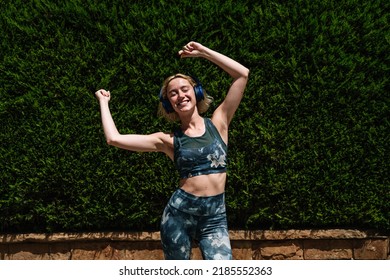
(204, 185)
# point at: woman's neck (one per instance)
(193, 126)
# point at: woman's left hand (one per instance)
(192, 49)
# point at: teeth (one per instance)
(183, 103)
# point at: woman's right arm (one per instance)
(156, 142)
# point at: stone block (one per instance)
(91, 251)
(145, 250)
(60, 251)
(3, 251)
(196, 253)
(371, 249)
(328, 249)
(28, 251)
(242, 250)
(275, 250)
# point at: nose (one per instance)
(181, 94)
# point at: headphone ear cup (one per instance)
(198, 89)
(167, 106)
(199, 92)
(165, 103)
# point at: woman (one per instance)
(196, 210)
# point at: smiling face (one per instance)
(181, 94)
(173, 89)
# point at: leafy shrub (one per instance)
(308, 145)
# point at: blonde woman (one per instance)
(198, 148)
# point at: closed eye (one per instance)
(185, 89)
(172, 93)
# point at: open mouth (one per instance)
(182, 103)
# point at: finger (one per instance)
(103, 92)
(189, 47)
(184, 54)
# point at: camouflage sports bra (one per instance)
(194, 156)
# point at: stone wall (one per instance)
(247, 245)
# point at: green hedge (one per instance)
(308, 145)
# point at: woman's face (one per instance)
(181, 95)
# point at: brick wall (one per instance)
(247, 245)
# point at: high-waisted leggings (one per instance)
(189, 218)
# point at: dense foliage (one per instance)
(308, 146)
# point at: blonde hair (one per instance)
(202, 105)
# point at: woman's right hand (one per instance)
(103, 95)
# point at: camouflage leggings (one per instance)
(186, 218)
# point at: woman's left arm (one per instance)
(225, 111)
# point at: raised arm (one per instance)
(156, 142)
(225, 112)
